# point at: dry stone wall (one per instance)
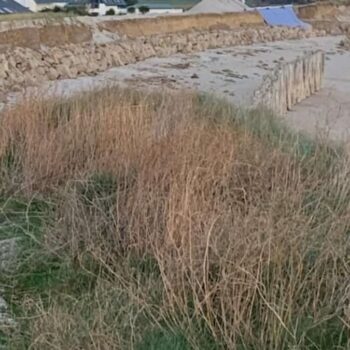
(174, 24)
(331, 27)
(291, 82)
(23, 66)
(318, 10)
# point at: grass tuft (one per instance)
(165, 221)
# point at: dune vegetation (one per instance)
(171, 221)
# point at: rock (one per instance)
(8, 254)
(52, 74)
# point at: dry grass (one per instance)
(184, 224)
(49, 16)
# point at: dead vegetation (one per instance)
(175, 223)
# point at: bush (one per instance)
(110, 12)
(44, 10)
(144, 9)
(57, 9)
(131, 9)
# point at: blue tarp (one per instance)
(281, 16)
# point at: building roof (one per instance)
(119, 3)
(11, 6)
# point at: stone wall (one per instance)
(331, 27)
(27, 67)
(318, 11)
(291, 82)
(73, 30)
(173, 24)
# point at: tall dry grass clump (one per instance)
(188, 222)
(53, 141)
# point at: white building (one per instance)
(101, 7)
(157, 8)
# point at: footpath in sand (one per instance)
(235, 73)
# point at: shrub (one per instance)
(144, 9)
(110, 12)
(57, 9)
(131, 9)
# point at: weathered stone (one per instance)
(52, 74)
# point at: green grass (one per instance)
(160, 340)
(22, 218)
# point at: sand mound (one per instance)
(218, 6)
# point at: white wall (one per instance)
(102, 9)
(40, 7)
(160, 11)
